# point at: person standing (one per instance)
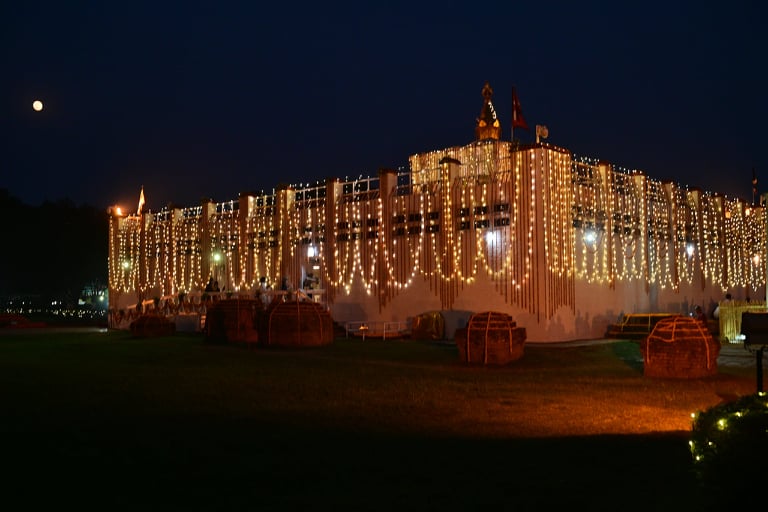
(726, 301)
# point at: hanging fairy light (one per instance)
(466, 212)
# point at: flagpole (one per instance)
(512, 124)
(517, 114)
(754, 186)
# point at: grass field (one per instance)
(110, 422)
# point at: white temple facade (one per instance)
(564, 244)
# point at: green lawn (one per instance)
(106, 421)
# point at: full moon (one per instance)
(37, 105)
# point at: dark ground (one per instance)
(67, 444)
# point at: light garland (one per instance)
(513, 216)
(262, 231)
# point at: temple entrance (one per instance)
(311, 272)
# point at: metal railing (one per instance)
(382, 330)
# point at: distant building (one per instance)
(564, 244)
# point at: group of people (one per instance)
(311, 282)
(212, 286)
(716, 312)
(700, 315)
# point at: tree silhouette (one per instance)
(53, 250)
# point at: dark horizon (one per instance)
(55, 249)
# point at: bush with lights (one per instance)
(729, 443)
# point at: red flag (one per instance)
(754, 185)
(518, 121)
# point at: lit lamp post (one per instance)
(764, 203)
(753, 325)
(126, 272)
(313, 271)
(759, 351)
(217, 257)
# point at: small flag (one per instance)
(754, 185)
(518, 121)
(141, 200)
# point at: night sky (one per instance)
(212, 99)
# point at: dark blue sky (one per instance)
(210, 99)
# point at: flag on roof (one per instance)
(518, 121)
(141, 200)
(754, 186)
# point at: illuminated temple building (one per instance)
(564, 244)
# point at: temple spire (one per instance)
(488, 126)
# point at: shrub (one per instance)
(729, 444)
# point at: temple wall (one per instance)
(564, 246)
(596, 307)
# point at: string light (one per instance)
(485, 209)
